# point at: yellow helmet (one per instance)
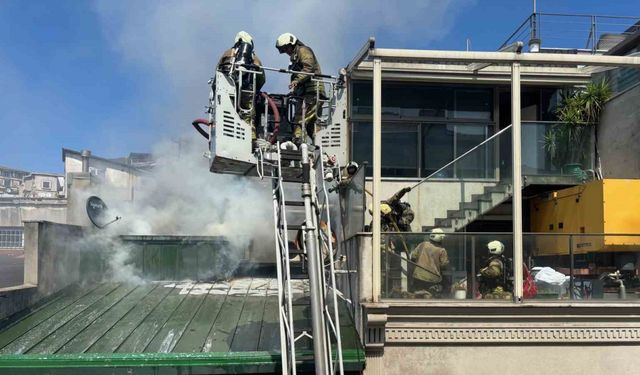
(385, 209)
(244, 36)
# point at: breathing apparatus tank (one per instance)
(244, 58)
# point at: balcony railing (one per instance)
(574, 32)
(556, 266)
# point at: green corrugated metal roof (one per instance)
(203, 327)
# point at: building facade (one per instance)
(469, 133)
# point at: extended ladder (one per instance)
(313, 260)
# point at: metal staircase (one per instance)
(311, 259)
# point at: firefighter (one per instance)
(242, 51)
(302, 60)
(431, 257)
(494, 283)
(399, 215)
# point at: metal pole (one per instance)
(315, 284)
(377, 171)
(593, 35)
(517, 180)
(571, 267)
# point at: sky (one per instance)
(119, 76)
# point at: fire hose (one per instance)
(276, 117)
(200, 121)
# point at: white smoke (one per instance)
(177, 43)
(179, 196)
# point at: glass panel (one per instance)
(452, 204)
(547, 266)
(449, 266)
(410, 100)
(473, 104)
(467, 137)
(399, 148)
(607, 266)
(602, 266)
(362, 144)
(437, 148)
(558, 149)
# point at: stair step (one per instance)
(469, 206)
(456, 214)
(496, 189)
(481, 197)
(443, 223)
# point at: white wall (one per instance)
(430, 200)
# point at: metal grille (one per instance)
(11, 238)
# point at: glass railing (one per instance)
(480, 179)
(584, 266)
(455, 266)
(555, 149)
(465, 188)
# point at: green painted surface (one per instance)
(33, 336)
(112, 339)
(221, 334)
(146, 331)
(203, 328)
(75, 326)
(32, 320)
(270, 329)
(96, 330)
(247, 334)
(172, 330)
(200, 326)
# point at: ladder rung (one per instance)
(294, 203)
(299, 276)
(296, 252)
(296, 179)
(292, 227)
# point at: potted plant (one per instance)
(568, 142)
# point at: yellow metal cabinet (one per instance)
(608, 206)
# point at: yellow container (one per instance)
(608, 206)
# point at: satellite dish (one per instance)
(98, 212)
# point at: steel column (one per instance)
(516, 141)
(316, 290)
(377, 174)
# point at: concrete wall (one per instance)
(13, 212)
(494, 360)
(50, 265)
(619, 136)
(430, 200)
(34, 186)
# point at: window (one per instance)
(440, 143)
(473, 104)
(424, 101)
(399, 148)
(46, 185)
(424, 128)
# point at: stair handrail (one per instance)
(461, 156)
